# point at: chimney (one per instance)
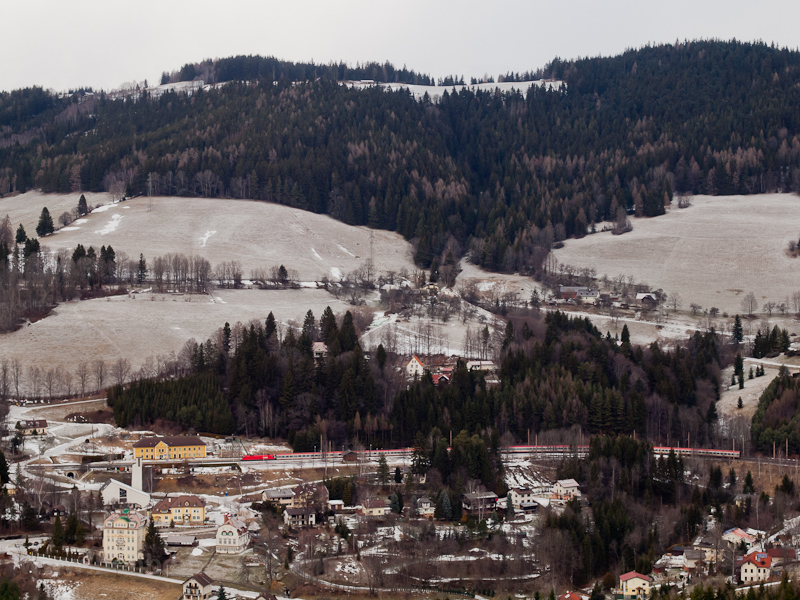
(136, 475)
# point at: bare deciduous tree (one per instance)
(749, 304)
(99, 373)
(82, 373)
(120, 370)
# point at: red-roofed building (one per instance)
(781, 556)
(755, 567)
(573, 596)
(635, 585)
(415, 368)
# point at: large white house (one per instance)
(566, 489)
(116, 493)
(232, 536)
(198, 587)
(635, 585)
(415, 368)
(123, 536)
(755, 567)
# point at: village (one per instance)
(279, 523)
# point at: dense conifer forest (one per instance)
(500, 175)
(558, 374)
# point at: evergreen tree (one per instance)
(383, 470)
(71, 528)
(509, 507)
(4, 478)
(45, 226)
(739, 403)
(398, 475)
(626, 335)
(738, 333)
(270, 326)
(58, 534)
(83, 208)
(445, 506)
(222, 594)
(153, 547)
(141, 271)
(748, 484)
(380, 357)
(21, 235)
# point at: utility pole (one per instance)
(150, 191)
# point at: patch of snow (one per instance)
(204, 239)
(336, 272)
(69, 229)
(111, 226)
(345, 250)
(198, 551)
(81, 221)
(103, 208)
(316, 254)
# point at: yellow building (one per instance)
(123, 536)
(181, 510)
(169, 448)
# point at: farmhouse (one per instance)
(282, 496)
(123, 536)
(570, 292)
(479, 501)
(232, 536)
(198, 587)
(425, 507)
(755, 567)
(647, 298)
(182, 510)
(116, 493)
(566, 489)
(33, 427)
(634, 585)
(522, 499)
(415, 368)
(169, 448)
(319, 350)
(373, 508)
(737, 536)
(299, 517)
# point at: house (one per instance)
(123, 536)
(10, 489)
(737, 536)
(440, 379)
(281, 496)
(232, 536)
(648, 298)
(349, 456)
(33, 427)
(485, 366)
(116, 493)
(426, 507)
(781, 556)
(694, 560)
(198, 587)
(169, 448)
(588, 296)
(180, 540)
(373, 508)
(300, 517)
(570, 292)
(566, 489)
(479, 501)
(181, 510)
(708, 548)
(634, 585)
(335, 506)
(522, 499)
(755, 567)
(573, 596)
(309, 495)
(319, 350)
(414, 368)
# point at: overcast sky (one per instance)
(103, 43)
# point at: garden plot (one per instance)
(712, 253)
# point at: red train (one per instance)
(258, 457)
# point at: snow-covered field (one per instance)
(150, 324)
(712, 253)
(257, 234)
(435, 92)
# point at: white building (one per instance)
(232, 536)
(198, 587)
(566, 489)
(415, 368)
(755, 567)
(116, 493)
(522, 499)
(123, 536)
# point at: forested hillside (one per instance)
(557, 373)
(501, 175)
